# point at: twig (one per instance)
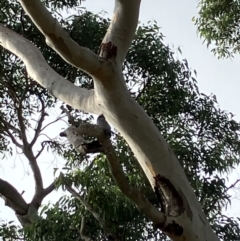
(50, 123)
(41, 150)
(40, 122)
(81, 198)
(233, 185)
(12, 137)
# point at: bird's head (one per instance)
(101, 117)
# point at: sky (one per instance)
(220, 77)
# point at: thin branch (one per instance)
(132, 193)
(233, 185)
(213, 203)
(50, 123)
(23, 96)
(145, 85)
(58, 39)
(10, 126)
(18, 106)
(83, 236)
(48, 189)
(81, 198)
(41, 150)
(21, 123)
(40, 71)
(12, 93)
(11, 135)
(40, 123)
(67, 112)
(28, 152)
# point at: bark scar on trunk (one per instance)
(170, 200)
(171, 204)
(108, 50)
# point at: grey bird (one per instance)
(102, 123)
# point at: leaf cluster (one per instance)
(218, 24)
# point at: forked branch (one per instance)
(132, 193)
(121, 31)
(58, 39)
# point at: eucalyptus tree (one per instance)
(136, 187)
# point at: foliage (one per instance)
(204, 138)
(218, 24)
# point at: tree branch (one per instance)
(13, 198)
(233, 185)
(25, 213)
(28, 152)
(59, 40)
(39, 70)
(48, 190)
(42, 149)
(10, 126)
(132, 193)
(122, 28)
(21, 123)
(39, 123)
(7, 128)
(37, 176)
(50, 123)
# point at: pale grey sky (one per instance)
(220, 77)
